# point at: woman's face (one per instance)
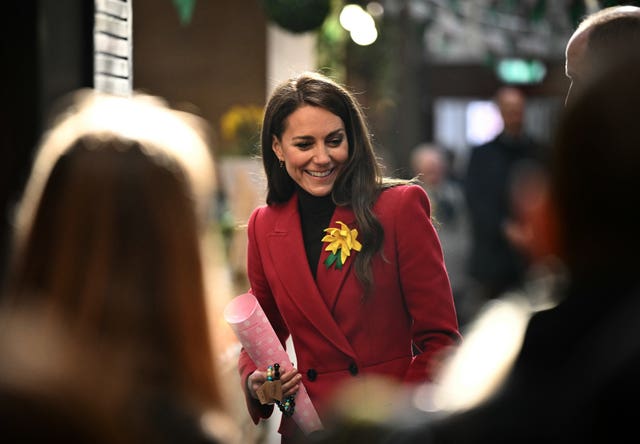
(314, 148)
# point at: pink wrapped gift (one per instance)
(255, 333)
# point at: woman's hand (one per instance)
(254, 381)
(290, 380)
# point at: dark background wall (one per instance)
(46, 52)
(205, 66)
(215, 61)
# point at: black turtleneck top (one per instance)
(315, 216)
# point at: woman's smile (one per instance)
(320, 174)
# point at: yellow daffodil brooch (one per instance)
(341, 241)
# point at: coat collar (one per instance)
(286, 248)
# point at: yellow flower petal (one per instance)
(328, 238)
(343, 256)
(343, 239)
(333, 247)
(356, 245)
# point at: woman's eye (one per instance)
(303, 145)
(335, 142)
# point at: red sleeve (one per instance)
(425, 284)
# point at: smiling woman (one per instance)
(313, 148)
(316, 284)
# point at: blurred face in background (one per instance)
(430, 165)
(511, 103)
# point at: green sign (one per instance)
(521, 71)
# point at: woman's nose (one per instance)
(321, 154)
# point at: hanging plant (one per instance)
(297, 15)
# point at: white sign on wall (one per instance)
(112, 47)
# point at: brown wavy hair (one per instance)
(594, 176)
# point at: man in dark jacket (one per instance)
(495, 264)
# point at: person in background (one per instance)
(601, 41)
(108, 242)
(344, 261)
(593, 157)
(430, 164)
(575, 378)
(495, 265)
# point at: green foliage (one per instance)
(332, 45)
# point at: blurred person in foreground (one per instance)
(602, 41)
(430, 163)
(576, 376)
(57, 388)
(108, 241)
(345, 261)
(495, 264)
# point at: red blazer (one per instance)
(336, 334)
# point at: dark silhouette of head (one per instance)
(594, 175)
(603, 39)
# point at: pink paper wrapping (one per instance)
(255, 333)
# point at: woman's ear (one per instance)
(277, 148)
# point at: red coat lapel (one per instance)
(330, 280)
(287, 252)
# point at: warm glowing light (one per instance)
(350, 15)
(364, 36)
(359, 23)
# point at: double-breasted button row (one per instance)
(312, 374)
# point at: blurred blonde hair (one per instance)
(108, 235)
(162, 132)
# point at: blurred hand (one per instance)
(520, 234)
